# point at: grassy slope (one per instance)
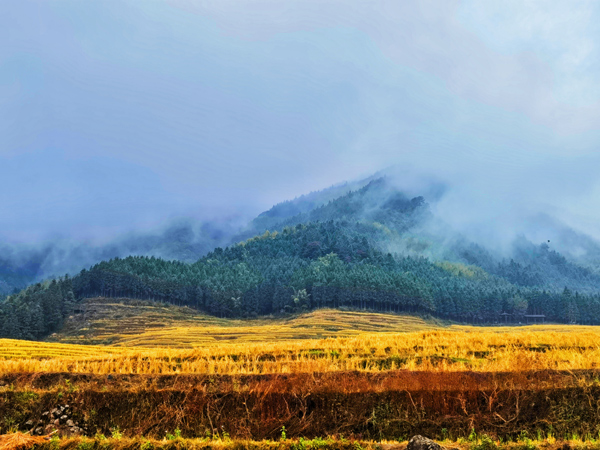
(150, 338)
(123, 322)
(136, 323)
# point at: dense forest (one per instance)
(371, 248)
(321, 264)
(183, 239)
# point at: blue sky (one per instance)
(117, 115)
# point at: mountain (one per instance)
(183, 240)
(273, 218)
(373, 247)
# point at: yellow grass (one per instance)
(20, 441)
(467, 348)
(148, 338)
(144, 324)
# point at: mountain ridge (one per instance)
(370, 248)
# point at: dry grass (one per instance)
(328, 443)
(150, 338)
(122, 322)
(464, 349)
(20, 441)
(18, 349)
(373, 376)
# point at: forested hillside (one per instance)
(281, 213)
(376, 201)
(335, 255)
(185, 240)
(325, 264)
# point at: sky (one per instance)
(122, 115)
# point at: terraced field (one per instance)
(18, 349)
(124, 322)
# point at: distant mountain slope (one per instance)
(184, 240)
(412, 229)
(273, 218)
(378, 201)
(373, 247)
(324, 264)
(15, 276)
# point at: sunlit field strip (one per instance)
(476, 349)
(11, 348)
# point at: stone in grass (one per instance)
(419, 442)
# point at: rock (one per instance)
(70, 423)
(40, 422)
(38, 430)
(57, 422)
(62, 408)
(63, 418)
(422, 443)
(45, 413)
(29, 423)
(55, 412)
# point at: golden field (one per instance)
(188, 342)
(129, 323)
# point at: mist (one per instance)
(119, 120)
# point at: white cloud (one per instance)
(563, 34)
(530, 57)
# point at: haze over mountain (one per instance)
(375, 199)
(452, 144)
(372, 247)
(118, 117)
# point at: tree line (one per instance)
(329, 264)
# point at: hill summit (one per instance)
(371, 248)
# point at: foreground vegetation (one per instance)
(235, 385)
(175, 442)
